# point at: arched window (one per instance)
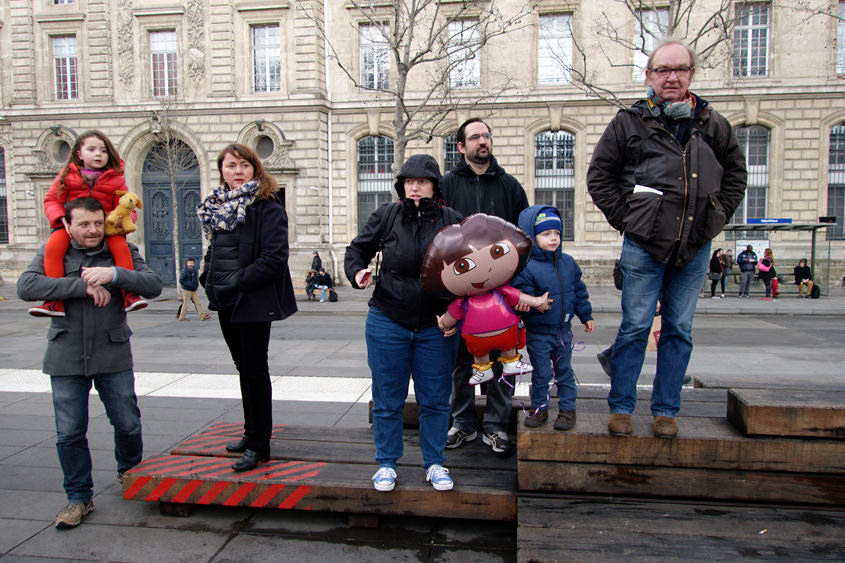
(836, 182)
(451, 155)
(375, 175)
(554, 176)
(754, 141)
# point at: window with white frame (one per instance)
(451, 154)
(374, 56)
(554, 176)
(650, 26)
(836, 182)
(62, 2)
(65, 67)
(266, 58)
(462, 49)
(375, 175)
(163, 63)
(840, 40)
(554, 49)
(751, 40)
(754, 141)
(4, 212)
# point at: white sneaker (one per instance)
(516, 368)
(439, 478)
(479, 377)
(384, 479)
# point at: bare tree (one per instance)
(427, 42)
(706, 25)
(172, 157)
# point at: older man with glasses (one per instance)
(667, 173)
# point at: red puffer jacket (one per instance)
(104, 189)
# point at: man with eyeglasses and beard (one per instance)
(479, 185)
(667, 173)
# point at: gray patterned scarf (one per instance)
(223, 208)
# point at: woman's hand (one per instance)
(442, 324)
(589, 326)
(543, 303)
(364, 277)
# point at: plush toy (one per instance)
(474, 261)
(119, 221)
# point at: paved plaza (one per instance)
(186, 382)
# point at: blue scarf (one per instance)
(672, 110)
(223, 208)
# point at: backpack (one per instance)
(332, 296)
(816, 292)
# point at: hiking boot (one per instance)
(385, 479)
(133, 302)
(665, 427)
(515, 366)
(565, 420)
(48, 309)
(457, 437)
(71, 515)
(439, 478)
(620, 424)
(536, 419)
(498, 442)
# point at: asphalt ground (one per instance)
(185, 382)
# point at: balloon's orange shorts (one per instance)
(514, 337)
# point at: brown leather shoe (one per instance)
(665, 427)
(565, 420)
(534, 420)
(620, 424)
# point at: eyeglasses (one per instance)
(477, 136)
(664, 72)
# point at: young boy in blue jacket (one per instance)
(549, 335)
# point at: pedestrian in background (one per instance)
(803, 278)
(747, 262)
(247, 281)
(189, 282)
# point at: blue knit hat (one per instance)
(545, 220)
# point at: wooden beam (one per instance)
(775, 412)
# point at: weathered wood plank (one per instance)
(682, 482)
(578, 529)
(472, 455)
(753, 380)
(305, 485)
(702, 443)
(767, 412)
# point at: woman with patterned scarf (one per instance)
(247, 280)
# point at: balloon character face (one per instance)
(480, 254)
(481, 270)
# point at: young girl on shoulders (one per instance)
(93, 169)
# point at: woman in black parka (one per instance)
(401, 332)
(248, 282)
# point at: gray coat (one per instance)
(88, 340)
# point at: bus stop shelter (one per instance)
(813, 228)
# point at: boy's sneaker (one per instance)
(565, 420)
(456, 437)
(439, 478)
(515, 367)
(133, 302)
(48, 309)
(498, 442)
(384, 479)
(536, 419)
(71, 515)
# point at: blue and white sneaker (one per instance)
(439, 478)
(384, 479)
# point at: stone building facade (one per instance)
(209, 72)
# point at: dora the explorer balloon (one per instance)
(475, 260)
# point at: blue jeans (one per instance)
(393, 354)
(70, 404)
(644, 277)
(551, 353)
